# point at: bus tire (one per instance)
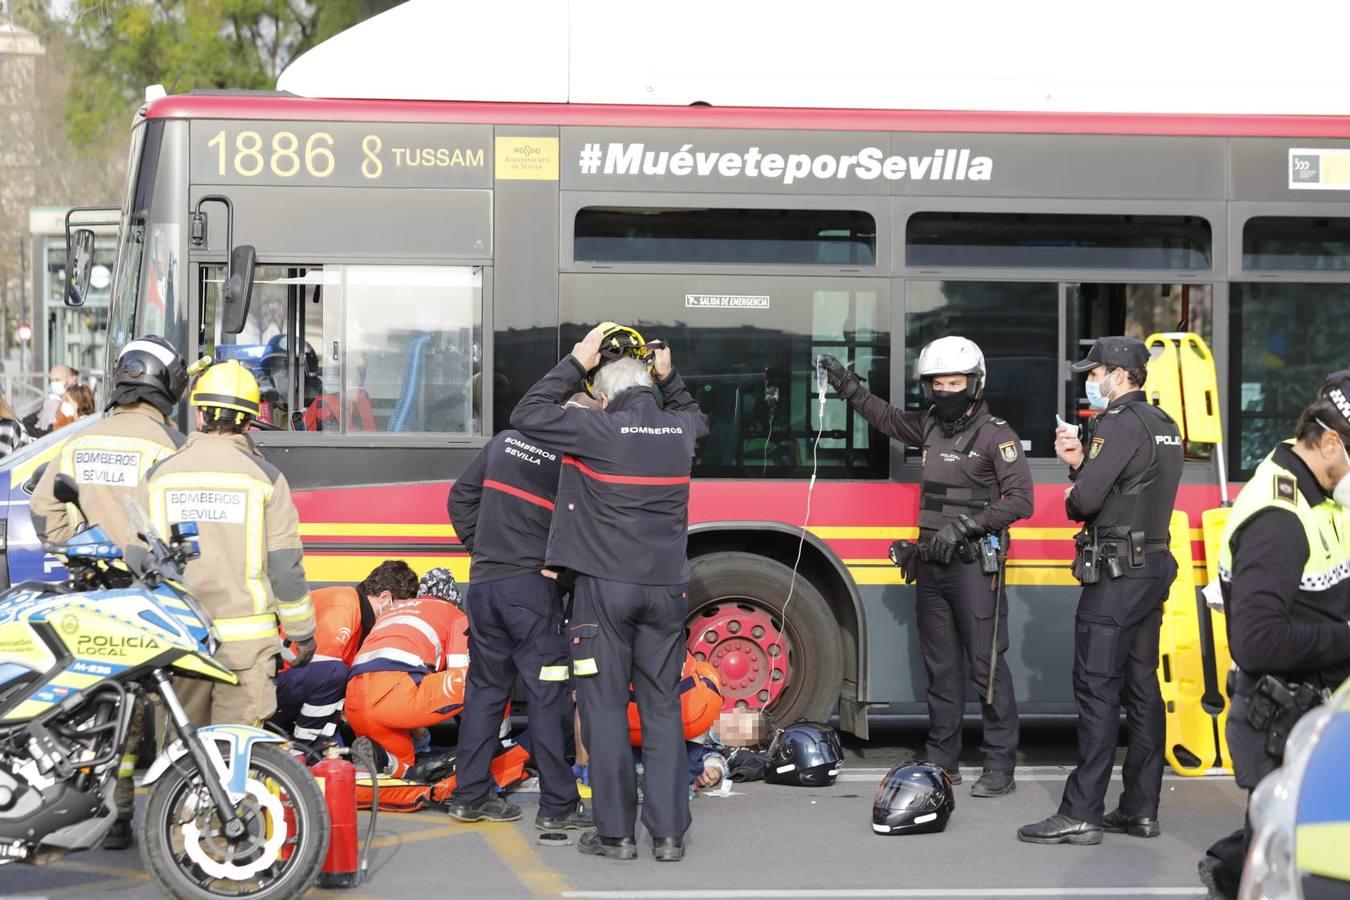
(727, 584)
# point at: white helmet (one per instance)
(951, 356)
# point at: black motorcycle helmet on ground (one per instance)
(914, 798)
(150, 370)
(805, 754)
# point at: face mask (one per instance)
(1096, 399)
(68, 410)
(56, 388)
(1341, 493)
(950, 404)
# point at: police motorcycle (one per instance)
(230, 811)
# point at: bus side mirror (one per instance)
(238, 288)
(79, 265)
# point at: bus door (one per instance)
(1092, 310)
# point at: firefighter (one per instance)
(976, 484)
(409, 674)
(501, 507)
(250, 572)
(1284, 562)
(621, 524)
(309, 699)
(1124, 488)
(108, 460)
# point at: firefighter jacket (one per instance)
(623, 496)
(502, 504)
(250, 571)
(108, 460)
(1284, 569)
(420, 637)
(1128, 480)
(978, 470)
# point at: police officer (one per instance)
(621, 524)
(249, 573)
(108, 460)
(976, 483)
(1283, 566)
(1125, 485)
(501, 507)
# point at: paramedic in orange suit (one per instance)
(409, 674)
(310, 699)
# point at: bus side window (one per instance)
(412, 338)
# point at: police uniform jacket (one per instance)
(1288, 600)
(1129, 476)
(623, 495)
(250, 571)
(979, 471)
(108, 460)
(502, 504)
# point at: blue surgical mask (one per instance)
(1096, 399)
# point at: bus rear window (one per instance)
(1303, 243)
(1043, 240)
(790, 237)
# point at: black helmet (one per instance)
(914, 798)
(149, 369)
(805, 754)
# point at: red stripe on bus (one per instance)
(517, 492)
(731, 117)
(623, 479)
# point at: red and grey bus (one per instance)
(420, 264)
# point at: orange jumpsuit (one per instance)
(700, 701)
(409, 674)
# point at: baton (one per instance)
(993, 648)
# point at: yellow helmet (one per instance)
(227, 386)
(618, 341)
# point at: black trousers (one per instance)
(515, 627)
(632, 634)
(956, 632)
(1115, 663)
(1251, 763)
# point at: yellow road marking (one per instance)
(521, 858)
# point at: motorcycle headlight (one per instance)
(1269, 873)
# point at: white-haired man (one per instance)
(621, 524)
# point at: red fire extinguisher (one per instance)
(337, 778)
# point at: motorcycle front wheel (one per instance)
(286, 832)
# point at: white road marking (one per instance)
(846, 894)
(1036, 773)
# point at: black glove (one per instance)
(954, 538)
(304, 651)
(844, 381)
(902, 554)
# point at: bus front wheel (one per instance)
(787, 661)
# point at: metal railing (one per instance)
(25, 391)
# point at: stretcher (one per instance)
(1193, 647)
(401, 795)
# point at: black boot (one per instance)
(1117, 822)
(120, 836)
(593, 844)
(1060, 830)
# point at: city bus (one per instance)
(419, 264)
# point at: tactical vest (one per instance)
(1326, 570)
(1143, 502)
(948, 490)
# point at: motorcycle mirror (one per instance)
(66, 490)
(135, 557)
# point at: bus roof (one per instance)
(1037, 56)
(289, 108)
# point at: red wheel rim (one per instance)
(747, 647)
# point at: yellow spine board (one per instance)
(1214, 522)
(1200, 390)
(1181, 664)
(1163, 385)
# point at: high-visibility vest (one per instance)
(417, 636)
